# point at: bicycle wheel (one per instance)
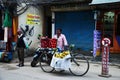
(45, 63)
(79, 65)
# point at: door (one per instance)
(78, 27)
(118, 29)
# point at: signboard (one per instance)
(103, 1)
(105, 57)
(106, 42)
(97, 43)
(33, 19)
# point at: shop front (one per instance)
(5, 36)
(78, 26)
(108, 21)
(77, 22)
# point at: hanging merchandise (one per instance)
(5, 34)
(7, 23)
(14, 28)
(7, 20)
(97, 43)
(5, 55)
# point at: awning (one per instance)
(95, 2)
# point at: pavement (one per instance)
(9, 71)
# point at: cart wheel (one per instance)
(34, 63)
(79, 65)
(45, 63)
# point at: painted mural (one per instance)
(31, 23)
(28, 32)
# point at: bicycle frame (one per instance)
(76, 61)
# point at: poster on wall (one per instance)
(33, 19)
(97, 43)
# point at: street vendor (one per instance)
(61, 39)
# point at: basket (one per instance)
(48, 43)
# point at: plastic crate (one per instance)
(48, 43)
(44, 43)
(52, 43)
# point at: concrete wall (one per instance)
(37, 28)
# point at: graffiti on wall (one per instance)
(28, 32)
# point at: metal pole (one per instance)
(95, 18)
(53, 24)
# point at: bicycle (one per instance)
(79, 63)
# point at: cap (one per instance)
(19, 30)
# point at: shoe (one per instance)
(62, 70)
(20, 65)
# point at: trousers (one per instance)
(20, 52)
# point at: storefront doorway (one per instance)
(108, 25)
(118, 28)
(78, 26)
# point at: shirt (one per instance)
(61, 41)
(22, 41)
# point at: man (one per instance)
(21, 44)
(61, 39)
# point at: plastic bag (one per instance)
(61, 62)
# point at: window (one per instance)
(108, 24)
